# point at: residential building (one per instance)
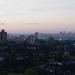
(31, 39)
(3, 35)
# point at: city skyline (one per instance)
(19, 16)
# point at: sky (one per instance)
(28, 16)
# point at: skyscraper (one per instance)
(3, 35)
(31, 39)
(36, 35)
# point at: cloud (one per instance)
(32, 23)
(4, 13)
(1, 23)
(36, 9)
(69, 7)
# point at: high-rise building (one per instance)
(31, 39)
(36, 35)
(3, 35)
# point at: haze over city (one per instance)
(19, 16)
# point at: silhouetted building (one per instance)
(3, 35)
(31, 39)
(51, 38)
(36, 35)
(66, 53)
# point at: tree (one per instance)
(20, 74)
(30, 72)
(16, 74)
(12, 74)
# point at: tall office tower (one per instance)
(36, 35)
(0, 36)
(31, 39)
(3, 35)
